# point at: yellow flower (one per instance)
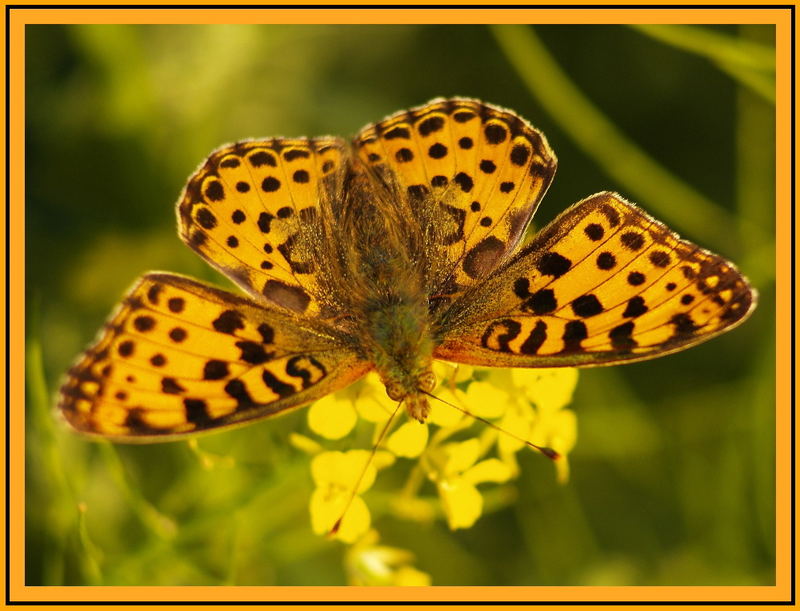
(549, 391)
(450, 374)
(369, 564)
(457, 476)
(409, 440)
(336, 475)
(487, 400)
(371, 401)
(444, 415)
(332, 417)
(529, 404)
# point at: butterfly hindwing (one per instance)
(241, 210)
(603, 283)
(485, 167)
(179, 357)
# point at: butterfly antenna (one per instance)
(335, 528)
(549, 452)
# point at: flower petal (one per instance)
(449, 374)
(549, 389)
(444, 415)
(486, 400)
(331, 417)
(372, 403)
(518, 424)
(409, 576)
(342, 469)
(409, 440)
(326, 509)
(489, 470)
(461, 501)
(461, 456)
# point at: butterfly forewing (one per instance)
(486, 168)
(180, 357)
(241, 211)
(602, 283)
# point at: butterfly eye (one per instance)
(395, 391)
(427, 381)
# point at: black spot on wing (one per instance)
(229, 322)
(636, 278)
(535, 339)
(659, 258)
(253, 352)
(176, 304)
(262, 158)
(520, 154)
(483, 257)
(277, 386)
(291, 155)
(206, 218)
(215, 191)
(264, 221)
(464, 181)
(542, 301)
(611, 214)
(586, 306)
(307, 368)
(574, 333)
(215, 370)
(495, 134)
(267, 333)
(594, 231)
(197, 412)
(153, 293)
(288, 296)
(632, 240)
(171, 386)
(237, 389)
(437, 151)
(553, 264)
(397, 132)
(499, 333)
(145, 323)
(459, 217)
(620, 336)
(230, 162)
(270, 184)
(404, 155)
(177, 334)
(636, 307)
(430, 125)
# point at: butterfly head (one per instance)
(412, 391)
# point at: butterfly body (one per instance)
(402, 248)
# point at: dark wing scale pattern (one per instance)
(242, 211)
(603, 283)
(178, 357)
(487, 168)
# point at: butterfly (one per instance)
(404, 246)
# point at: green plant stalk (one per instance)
(44, 427)
(757, 82)
(713, 45)
(665, 194)
(157, 523)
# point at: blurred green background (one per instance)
(673, 475)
